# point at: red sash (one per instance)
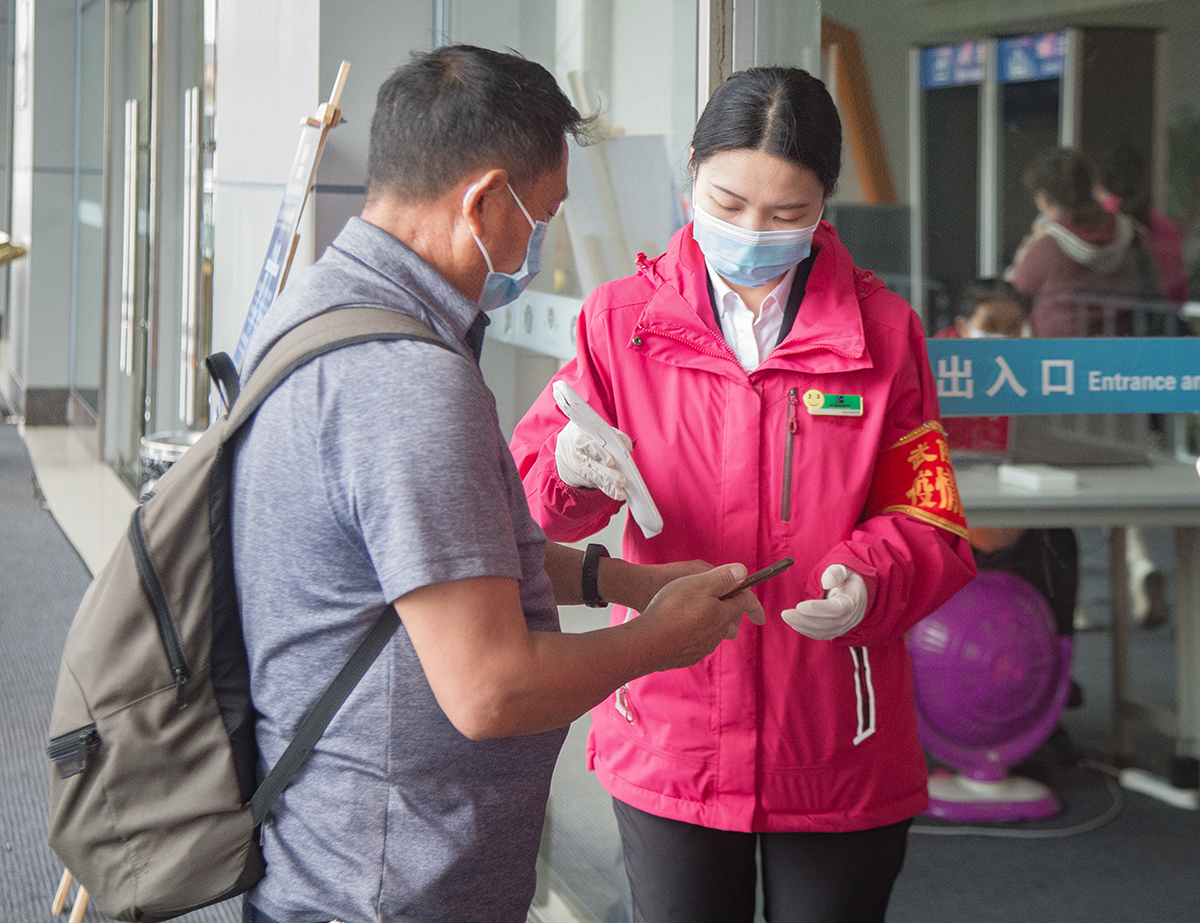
(915, 477)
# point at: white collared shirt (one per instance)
(751, 338)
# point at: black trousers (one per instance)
(684, 873)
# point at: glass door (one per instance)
(7, 93)
(160, 111)
(178, 338)
(88, 220)
(130, 229)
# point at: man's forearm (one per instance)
(564, 564)
(493, 677)
(619, 581)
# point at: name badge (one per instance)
(833, 405)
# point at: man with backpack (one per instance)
(377, 475)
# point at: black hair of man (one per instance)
(784, 111)
(1066, 177)
(458, 109)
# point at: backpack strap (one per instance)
(315, 337)
(315, 722)
(224, 375)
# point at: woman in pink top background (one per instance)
(1121, 187)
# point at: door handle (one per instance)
(189, 326)
(129, 239)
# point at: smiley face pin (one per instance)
(820, 404)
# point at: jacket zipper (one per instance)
(623, 705)
(809, 349)
(716, 354)
(68, 751)
(729, 353)
(789, 448)
(162, 612)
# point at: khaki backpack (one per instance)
(153, 803)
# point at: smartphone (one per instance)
(759, 576)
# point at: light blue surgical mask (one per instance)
(500, 288)
(749, 258)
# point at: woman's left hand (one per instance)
(843, 607)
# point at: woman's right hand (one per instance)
(584, 462)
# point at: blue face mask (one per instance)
(749, 258)
(500, 288)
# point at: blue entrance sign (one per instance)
(980, 378)
(953, 65)
(1032, 57)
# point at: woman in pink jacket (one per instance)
(779, 402)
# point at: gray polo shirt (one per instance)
(372, 471)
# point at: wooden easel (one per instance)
(60, 899)
(281, 249)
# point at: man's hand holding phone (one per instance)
(759, 576)
(690, 616)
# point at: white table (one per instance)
(1167, 493)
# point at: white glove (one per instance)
(843, 607)
(584, 462)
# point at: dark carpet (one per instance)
(42, 580)
(1143, 866)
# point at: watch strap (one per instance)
(590, 579)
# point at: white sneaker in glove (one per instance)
(584, 462)
(843, 607)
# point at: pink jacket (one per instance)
(773, 731)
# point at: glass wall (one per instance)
(8, 39)
(87, 233)
(142, 227)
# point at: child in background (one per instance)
(1046, 558)
(992, 309)
(995, 311)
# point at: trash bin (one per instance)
(158, 451)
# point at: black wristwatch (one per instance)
(590, 580)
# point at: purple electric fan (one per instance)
(991, 677)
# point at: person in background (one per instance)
(993, 310)
(1121, 186)
(1088, 272)
(780, 403)
(1081, 270)
(376, 475)
(1047, 558)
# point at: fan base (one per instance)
(958, 798)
